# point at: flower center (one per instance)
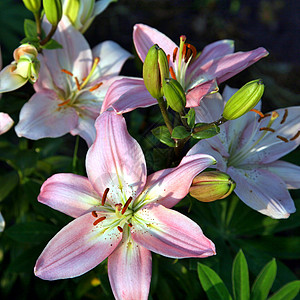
(77, 87)
(251, 146)
(119, 215)
(187, 53)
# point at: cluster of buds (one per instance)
(211, 185)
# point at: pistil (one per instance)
(86, 80)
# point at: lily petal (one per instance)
(6, 122)
(69, 193)
(77, 248)
(41, 117)
(115, 160)
(163, 187)
(129, 270)
(112, 57)
(196, 94)
(127, 94)
(262, 191)
(288, 172)
(229, 65)
(169, 233)
(10, 81)
(144, 37)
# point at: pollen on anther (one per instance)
(126, 205)
(120, 228)
(129, 224)
(63, 103)
(95, 86)
(168, 58)
(94, 214)
(258, 112)
(267, 129)
(284, 116)
(104, 196)
(282, 138)
(99, 220)
(193, 49)
(77, 83)
(67, 72)
(172, 73)
(295, 136)
(175, 54)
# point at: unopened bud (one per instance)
(244, 99)
(53, 11)
(25, 50)
(211, 185)
(174, 94)
(33, 5)
(155, 70)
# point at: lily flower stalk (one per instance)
(249, 148)
(120, 213)
(199, 73)
(72, 84)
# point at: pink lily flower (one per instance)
(198, 73)
(71, 86)
(120, 213)
(6, 122)
(248, 149)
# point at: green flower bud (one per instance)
(53, 11)
(174, 94)
(27, 68)
(211, 185)
(33, 5)
(244, 99)
(155, 70)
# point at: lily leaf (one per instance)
(207, 131)
(180, 132)
(163, 134)
(287, 292)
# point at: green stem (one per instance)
(75, 158)
(38, 24)
(49, 36)
(208, 125)
(165, 114)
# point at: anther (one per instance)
(67, 72)
(187, 55)
(99, 220)
(63, 103)
(94, 214)
(175, 54)
(267, 129)
(130, 225)
(104, 196)
(120, 228)
(184, 51)
(126, 205)
(172, 73)
(95, 86)
(77, 83)
(258, 112)
(266, 115)
(284, 116)
(282, 138)
(295, 136)
(168, 58)
(193, 49)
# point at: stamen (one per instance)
(126, 205)
(99, 220)
(130, 225)
(95, 86)
(168, 58)
(266, 115)
(67, 72)
(94, 214)
(258, 112)
(193, 49)
(267, 129)
(282, 138)
(96, 62)
(104, 196)
(295, 136)
(284, 116)
(172, 73)
(63, 103)
(77, 83)
(120, 229)
(184, 51)
(187, 55)
(175, 54)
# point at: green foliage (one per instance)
(207, 131)
(162, 133)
